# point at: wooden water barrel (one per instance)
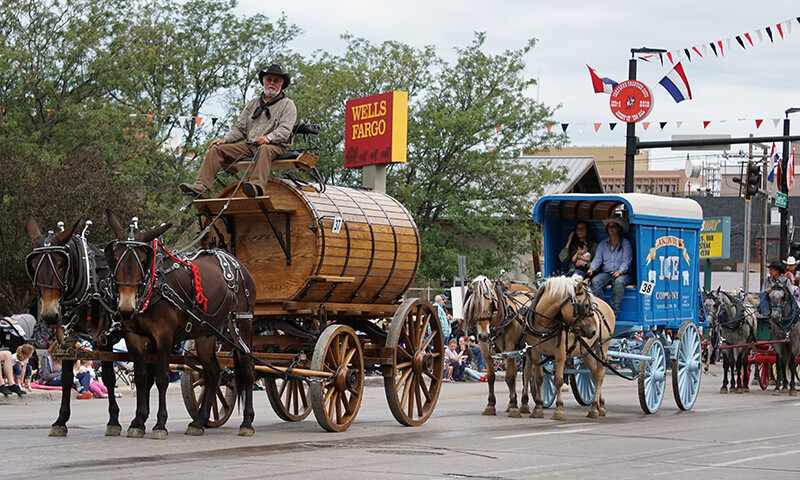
(346, 245)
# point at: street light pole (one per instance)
(784, 241)
(630, 135)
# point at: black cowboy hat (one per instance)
(777, 265)
(275, 70)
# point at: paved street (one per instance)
(725, 436)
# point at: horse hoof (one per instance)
(740, 390)
(525, 409)
(514, 413)
(58, 431)
(489, 411)
(113, 431)
(559, 415)
(723, 390)
(194, 431)
(159, 435)
(593, 414)
(602, 412)
(537, 413)
(776, 393)
(746, 389)
(135, 432)
(792, 393)
(246, 432)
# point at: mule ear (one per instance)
(156, 232)
(113, 222)
(33, 227)
(63, 237)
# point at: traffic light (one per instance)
(753, 180)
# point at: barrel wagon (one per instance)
(657, 324)
(331, 265)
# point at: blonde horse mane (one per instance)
(561, 286)
(480, 289)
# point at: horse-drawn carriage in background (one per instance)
(663, 304)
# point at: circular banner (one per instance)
(631, 101)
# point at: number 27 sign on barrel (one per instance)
(631, 101)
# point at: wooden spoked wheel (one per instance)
(289, 398)
(413, 379)
(193, 387)
(337, 398)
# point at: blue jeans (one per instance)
(764, 303)
(85, 380)
(477, 357)
(18, 372)
(617, 287)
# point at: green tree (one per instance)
(468, 121)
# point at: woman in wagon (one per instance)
(579, 249)
(612, 262)
(775, 279)
(265, 126)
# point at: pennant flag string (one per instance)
(718, 46)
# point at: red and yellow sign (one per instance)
(667, 241)
(631, 101)
(376, 129)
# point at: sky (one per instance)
(730, 91)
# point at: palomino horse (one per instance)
(164, 298)
(497, 315)
(70, 273)
(784, 326)
(733, 322)
(564, 310)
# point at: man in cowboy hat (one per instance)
(791, 270)
(612, 261)
(775, 279)
(265, 125)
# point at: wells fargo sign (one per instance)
(376, 129)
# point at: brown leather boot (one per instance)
(252, 190)
(197, 190)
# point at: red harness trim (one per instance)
(152, 280)
(198, 287)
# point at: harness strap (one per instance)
(200, 298)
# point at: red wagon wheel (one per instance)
(413, 379)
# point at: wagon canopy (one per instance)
(639, 208)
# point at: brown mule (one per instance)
(164, 298)
(69, 273)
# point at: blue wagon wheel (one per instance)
(549, 384)
(686, 366)
(652, 376)
(582, 384)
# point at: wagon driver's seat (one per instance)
(301, 158)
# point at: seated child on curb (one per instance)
(20, 358)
